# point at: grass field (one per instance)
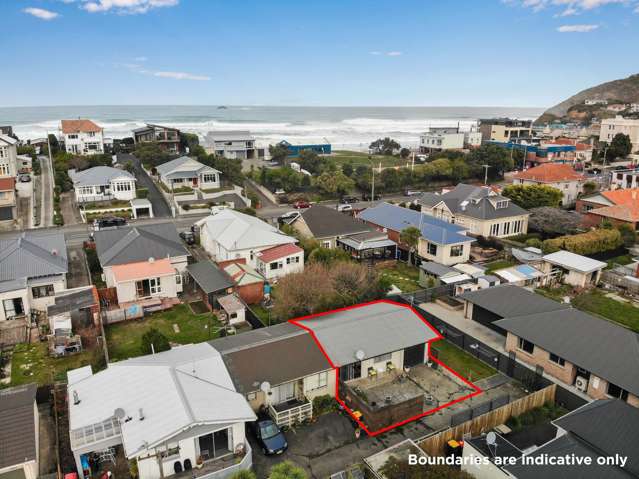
(596, 302)
(623, 259)
(358, 158)
(462, 362)
(403, 276)
(124, 339)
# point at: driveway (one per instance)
(46, 187)
(78, 270)
(160, 208)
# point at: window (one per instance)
(457, 250)
(502, 204)
(431, 249)
(178, 279)
(4, 170)
(72, 137)
(316, 381)
(616, 392)
(209, 178)
(494, 229)
(275, 265)
(326, 244)
(557, 359)
(384, 358)
(42, 291)
(507, 228)
(525, 346)
(154, 286)
(251, 396)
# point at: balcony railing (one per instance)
(291, 412)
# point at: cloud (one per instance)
(388, 54)
(393, 54)
(140, 59)
(571, 7)
(125, 6)
(181, 76)
(41, 13)
(577, 28)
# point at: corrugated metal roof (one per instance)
(509, 300)
(17, 425)
(31, 255)
(574, 261)
(98, 175)
(209, 277)
(326, 222)
(182, 167)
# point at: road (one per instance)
(46, 191)
(160, 208)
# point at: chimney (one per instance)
(76, 398)
(141, 414)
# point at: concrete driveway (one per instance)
(160, 208)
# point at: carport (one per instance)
(141, 208)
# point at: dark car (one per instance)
(269, 436)
(301, 204)
(24, 178)
(108, 222)
(367, 197)
(188, 237)
(349, 199)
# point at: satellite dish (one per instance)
(491, 438)
(359, 354)
(119, 413)
(265, 386)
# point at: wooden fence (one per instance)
(435, 445)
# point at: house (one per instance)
(166, 413)
(294, 150)
(573, 269)
(595, 101)
(488, 306)
(327, 225)
(249, 284)
(166, 137)
(8, 156)
(19, 433)
(535, 154)
(616, 206)
(479, 209)
(233, 310)
(560, 176)
(620, 179)
(210, 281)
(142, 262)
(521, 275)
(583, 151)
(231, 235)
(278, 261)
(370, 246)
(236, 144)
(610, 127)
(102, 183)
(440, 241)
(185, 171)
(441, 138)
(504, 129)
(284, 384)
(82, 137)
(595, 355)
(33, 267)
(8, 199)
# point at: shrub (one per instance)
(245, 474)
(534, 242)
(153, 341)
(324, 404)
(287, 470)
(592, 242)
(142, 192)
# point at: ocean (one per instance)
(344, 127)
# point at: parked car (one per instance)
(24, 178)
(269, 436)
(367, 197)
(108, 222)
(344, 207)
(188, 237)
(349, 199)
(412, 192)
(301, 204)
(286, 217)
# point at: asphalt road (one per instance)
(160, 208)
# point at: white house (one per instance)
(441, 139)
(82, 137)
(229, 234)
(610, 127)
(233, 144)
(102, 183)
(165, 412)
(556, 175)
(19, 433)
(572, 269)
(185, 171)
(278, 261)
(8, 155)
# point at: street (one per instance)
(160, 208)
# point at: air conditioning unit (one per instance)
(581, 383)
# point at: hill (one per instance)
(625, 90)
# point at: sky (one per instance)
(312, 52)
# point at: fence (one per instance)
(623, 278)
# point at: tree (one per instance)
(310, 161)
(404, 153)
(533, 196)
(189, 140)
(385, 146)
(410, 237)
(153, 341)
(347, 169)
(287, 470)
(334, 182)
(497, 158)
(620, 147)
(395, 468)
(278, 153)
(244, 474)
(151, 153)
(591, 242)
(628, 234)
(589, 187)
(328, 256)
(553, 221)
(129, 167)
(389, 180)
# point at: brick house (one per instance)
(617, 207)
(249, 284)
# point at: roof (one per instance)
(526, 255)
(243, 274)
(209, 277)
(31, 255)
(237, 231)
(326, 222)
(153, 126)
(8, 139)
(79, 126)
(509, 300)
(98, 175)
(600, 346)
(184, 387)
(229, 135)
(397, 218)
(182, 167)
(142, 270)
(369, 240)
(438, 269)
(550, 173)
(374, 329)
(7, 184)
(619, 212)
(73, 300)
(574, 261)
(17, 425)
(517, 273)
(473, 201)
(626, 196)
(132, 244)
(277, 252)
(276, 357)
(231, 303)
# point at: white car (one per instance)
(345, 207)
(288, 216)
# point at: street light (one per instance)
(486, 173)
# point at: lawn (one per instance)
(31, 363)
(617, 260)
(402, 275)
(596, 302)
(358, 158)
(499, 264)
(124, 339)
(262, 313)
(462, 362)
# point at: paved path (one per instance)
(46, 191)
(160, 208)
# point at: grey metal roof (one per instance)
(508, 300)
(600, 346)
(72, 300)
(98, 175)
(31, 255)
(437, 269)
(229, 135)
(18, 440)
(209, 277)
(168, 169)
(256, 336)
(326, 222)
(375, 329)
(132, 244)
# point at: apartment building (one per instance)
(8, 155)
(613, 126)
(504, 129)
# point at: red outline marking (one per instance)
(296, 322)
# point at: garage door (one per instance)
(487, 318)
(414, 355)
(6, 213)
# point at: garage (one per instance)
(485, 317)
(414, 355)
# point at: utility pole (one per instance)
(486, 173)
(51, 175)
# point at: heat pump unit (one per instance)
(581, 383)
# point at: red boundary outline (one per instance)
(297, 322)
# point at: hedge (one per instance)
(594, 241)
